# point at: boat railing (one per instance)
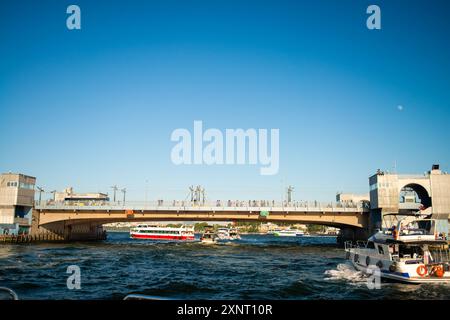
(355, 245)
(414, 232)
(439, 256)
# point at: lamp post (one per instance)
(114, 187)
(124, 191)
(54, 195)
(40, 193)
(289, 193)
(146, 191)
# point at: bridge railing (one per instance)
(249, 205)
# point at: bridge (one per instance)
(81, 221)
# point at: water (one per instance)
(256, 267)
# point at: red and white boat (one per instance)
(143, 231)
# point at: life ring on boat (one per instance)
(380, 264)
(393, 267)
(356, 257)
(422, 270)
(367, 261)
(438, 271)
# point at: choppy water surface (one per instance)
(256, 267)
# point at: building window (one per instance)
(12, 184)
(26, 186)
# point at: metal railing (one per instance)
(250, 205)
(355, 245)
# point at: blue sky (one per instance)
(95, 107)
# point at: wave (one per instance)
(346, 272)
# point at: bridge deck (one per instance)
(96, 213)
(331, 208)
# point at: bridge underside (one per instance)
(87, 224)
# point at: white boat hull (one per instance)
(404, 273)
(208, 241)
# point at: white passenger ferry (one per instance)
(144, 231)
(289, 233)
(411, 251)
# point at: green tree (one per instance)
(315, 228)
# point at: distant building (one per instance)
(300, 226)
(16, 203)
(267, 227)
(67, 195)
(352, 198)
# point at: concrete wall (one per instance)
(16, 202)
(440, 195)
(384, 193)
(352, 198)
(385, 188)
(22, 194)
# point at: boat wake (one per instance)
(346, 272)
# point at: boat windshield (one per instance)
(409, 226)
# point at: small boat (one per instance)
(228, 234)
(223, 234)
(411, 251)
(143, 231)
(234, 234)
(209, 236)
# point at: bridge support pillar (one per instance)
(352, 234)
(66, 231)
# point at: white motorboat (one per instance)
(234, 234)
(227, 234)
(412, 251)
(223, 234)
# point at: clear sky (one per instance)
(95, 107)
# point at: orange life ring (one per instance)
(422, 270)
(439, 271)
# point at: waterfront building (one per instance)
(69, 196)
(350, 198)
(392, 193)
(16, 203)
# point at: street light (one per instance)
(114, 187)
(54, 195)
(289, 193)
(146, 191)
(124, 190)
(40, 193)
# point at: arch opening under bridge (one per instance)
(71, 223)
(420, 193)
